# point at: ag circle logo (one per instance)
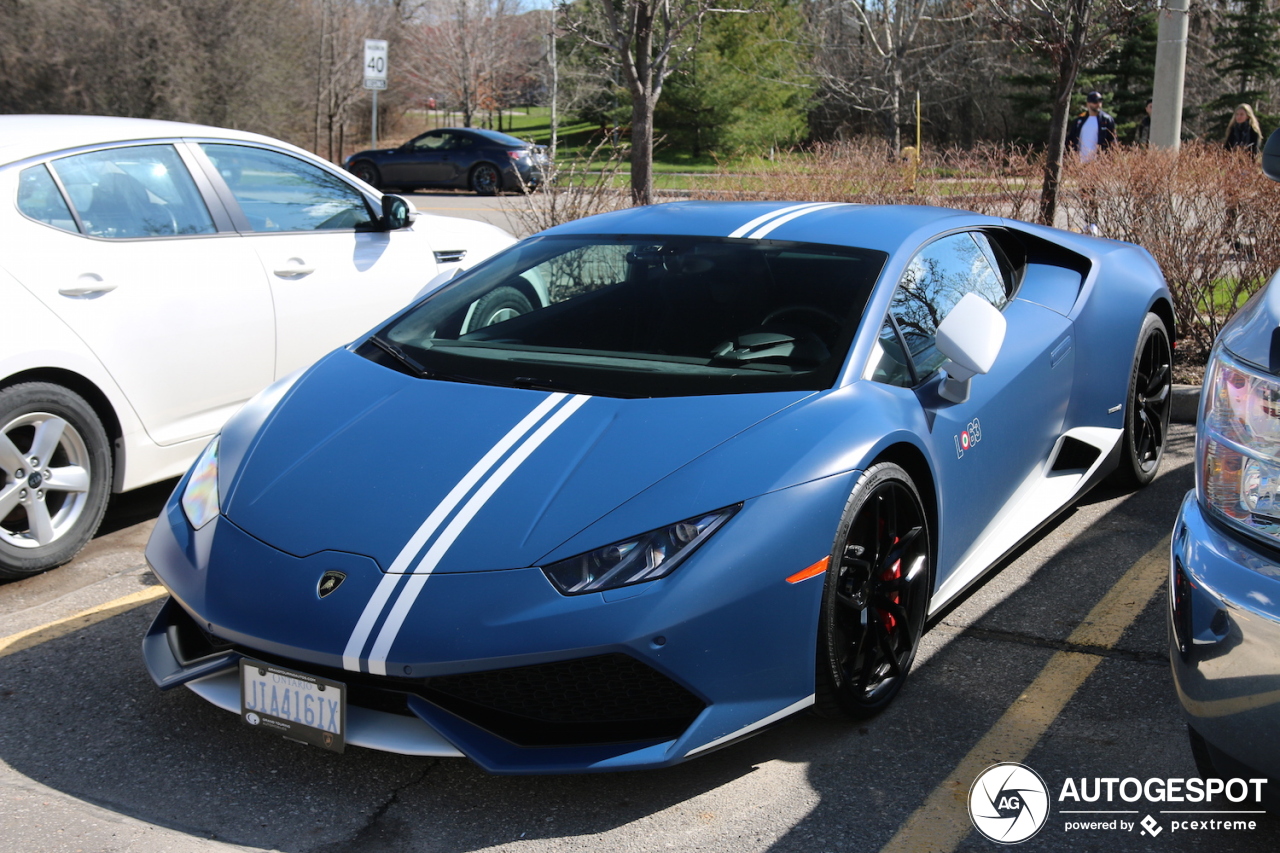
(1008, 803)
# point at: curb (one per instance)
(1186, 404)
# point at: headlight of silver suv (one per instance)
(1238, 447)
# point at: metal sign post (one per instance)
(375, 77)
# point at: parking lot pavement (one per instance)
(1058, 661)
(496, 210)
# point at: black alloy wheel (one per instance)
(367, 172)
(485, 179)
(876, 598)
(1146, 417)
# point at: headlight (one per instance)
(200, 497)
(647, 557)
(1239, 447)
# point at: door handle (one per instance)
(87, 286)
(294, 266)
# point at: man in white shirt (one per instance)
(1093, 130)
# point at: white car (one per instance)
(157, 275)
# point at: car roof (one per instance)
(23, 136)
(490, 135)
(883, 227)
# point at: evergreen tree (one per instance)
(1248, 44)
(745, 88)
(1248, 49)
(1126, 75)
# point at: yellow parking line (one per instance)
(53, 630)
(943, 821)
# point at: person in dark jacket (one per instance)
(1243, 132)
(1142, 134)
(1093, 130)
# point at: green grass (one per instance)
(1225, 291)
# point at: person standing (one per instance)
(1093, 130)
(1244, 133)
(1142, 136)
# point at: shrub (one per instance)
(1208, 216)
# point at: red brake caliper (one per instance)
(894, 572)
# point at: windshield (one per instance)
(641, 317)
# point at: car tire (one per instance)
(497, 306)
(876, 598)
(367, 172)
(1148, 405)
(485, 179)
(49, 507)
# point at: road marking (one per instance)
(943, 821)
(53, 630)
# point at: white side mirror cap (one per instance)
(970, 337)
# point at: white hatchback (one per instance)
(157, 275)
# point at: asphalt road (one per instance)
(94, 758)
(496, 210)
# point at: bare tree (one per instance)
(476, 54)
(1071, 33)
(648, 39)
(874, 51)
(339, 30)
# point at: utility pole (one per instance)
(1171, 67)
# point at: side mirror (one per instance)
(970, 337)
(1271, 157)
(396, 213)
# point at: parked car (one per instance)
(724, 474)
(156, 276)
(484, 161)
(1224, 587)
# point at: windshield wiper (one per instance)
(538, 383)
(418, 368)
(398, 354)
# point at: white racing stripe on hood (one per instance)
(408, 595)
(782, 211)
(764, 230)
(372, 610)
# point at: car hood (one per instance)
(1253, 335)
(365, 460)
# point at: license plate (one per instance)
(298, 706)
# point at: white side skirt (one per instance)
(1040, 497)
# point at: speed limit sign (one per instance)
(375, 64)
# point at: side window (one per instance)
(935, 280)
(139, 191)
(279, 192)
(429, 142)
(39, 198)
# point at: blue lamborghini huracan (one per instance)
(647, 482)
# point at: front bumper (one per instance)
(1224, 638)
(501, 668)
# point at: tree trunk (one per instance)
(1054, 154)
(641, 149)
(893, 128)
(1069, 62)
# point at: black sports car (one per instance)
(486, 161)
